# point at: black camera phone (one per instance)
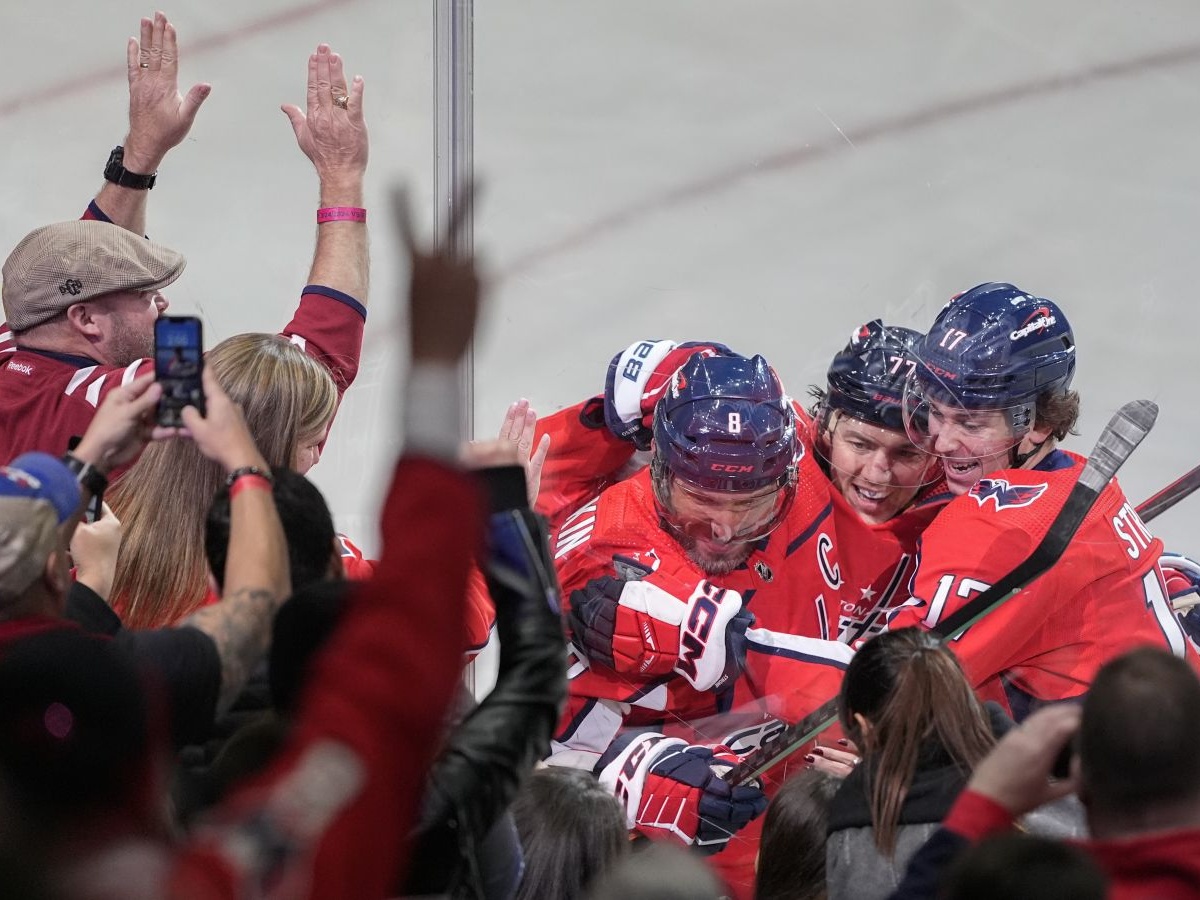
(178, 362)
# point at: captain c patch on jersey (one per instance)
(1003, 494)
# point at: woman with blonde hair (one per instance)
(288, 398)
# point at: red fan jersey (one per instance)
(1103, 597)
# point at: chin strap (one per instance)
(1017, 460)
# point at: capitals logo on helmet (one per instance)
(996, 346)
(866, 379)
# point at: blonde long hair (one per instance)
(162, 500)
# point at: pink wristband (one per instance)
(341, 214)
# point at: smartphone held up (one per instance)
(178, 362)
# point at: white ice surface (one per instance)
(768, 173)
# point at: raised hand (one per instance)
(519, 427)
(1017, 773)
(159, 116)
(331, 132)
(123, 425)
(444, 288)
(94, 547)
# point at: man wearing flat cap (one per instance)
(80, 298)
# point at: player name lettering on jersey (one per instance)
(1132, 531)
(576, 529)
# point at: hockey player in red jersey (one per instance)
(990, 394)
(660, 568)
(734, 515)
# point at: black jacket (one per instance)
(489, 753)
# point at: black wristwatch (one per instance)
(86, 474)
(116, 172)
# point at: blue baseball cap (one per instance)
(40, 476)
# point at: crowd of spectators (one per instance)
(207, 692)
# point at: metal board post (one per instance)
(454, 142)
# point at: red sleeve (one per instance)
(94, 213)
(481, 614)
(585, 457)
(328, 325)
(331, 816)
(975, 816)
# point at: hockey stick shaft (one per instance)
(1120, 437)
(1170, 495)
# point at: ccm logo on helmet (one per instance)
(1043, 319)
(730, 468)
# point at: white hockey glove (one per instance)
(669, 787)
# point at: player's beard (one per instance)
(129, 343)
(718, 563)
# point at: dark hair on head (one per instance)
(1140, 731)
(1025, 866)
(75, 736)
(572, 830)
(1057, 411)
(307, 525)
(302, 627)
(656, 870)
(791, 861)
(915, 696)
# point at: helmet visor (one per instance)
(719, 518)
(940, 424)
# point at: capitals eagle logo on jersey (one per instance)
(1003, 494)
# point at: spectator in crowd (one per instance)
(658, 872)
(204, 663)
(81, 297)
(791, 853)
(329, 819)
(572, 830)
(1026, 866)
(465, 842)
(289, 399)
(908, 707)
(1133, 767)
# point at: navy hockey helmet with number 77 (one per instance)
(995, 347)
(866, 379)
(726, 425)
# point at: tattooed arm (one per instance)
(256, 568)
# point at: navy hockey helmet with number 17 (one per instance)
(725, 425)
(992, 347)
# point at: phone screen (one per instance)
(178, 360)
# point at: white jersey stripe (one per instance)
(130, 372)
(300, 342)
(763, 640)
(79, 378)
(93, 391)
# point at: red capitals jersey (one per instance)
(823, 575)
(1103, 597)
(585, 458)
(795, 582)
